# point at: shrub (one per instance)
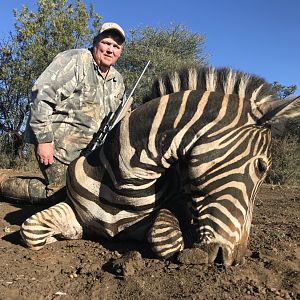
(285, 161)
(25, 162)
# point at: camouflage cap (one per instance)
(112, 26)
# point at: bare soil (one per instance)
(91, 269)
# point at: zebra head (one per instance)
(227, 165)
(225, 119)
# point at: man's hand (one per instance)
(44, 153)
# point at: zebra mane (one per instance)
(223, 80)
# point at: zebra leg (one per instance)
(45, 227)
(165, 236)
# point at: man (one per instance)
(70, 99)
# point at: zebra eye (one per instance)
(261, 165)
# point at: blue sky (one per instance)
(257, 36)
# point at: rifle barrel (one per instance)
(136, 84)
(121, 113)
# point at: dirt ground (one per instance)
(87, 269)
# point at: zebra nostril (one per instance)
(219, 260)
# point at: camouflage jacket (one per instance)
(70, 99)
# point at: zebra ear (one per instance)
(277, 110)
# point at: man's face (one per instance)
(107, 51)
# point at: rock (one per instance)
(127, 264)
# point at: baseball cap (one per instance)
(112, 26)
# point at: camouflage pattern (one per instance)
(55, 177)
(70, 99)
(35, 188)
(22, 186)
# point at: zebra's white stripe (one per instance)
(192, 79)
(227, 213)
(182, 108)
(230, 81)
(222, 113)
(115, 198)
(211, 79)
(232, 171)
(175, 82)
(156, 123)
(198, 113)
(234, 235)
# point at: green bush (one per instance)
(285, 161)
(25, 161)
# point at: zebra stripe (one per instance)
(47, 226)
(165, 235)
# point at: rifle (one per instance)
(110, 120)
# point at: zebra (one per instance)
(182, 170)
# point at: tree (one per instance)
(55, 27)
(39, 36)
(12, 110)
(283, 91)
(167, 48)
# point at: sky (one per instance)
(261, 37)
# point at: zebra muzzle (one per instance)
(218, 254)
